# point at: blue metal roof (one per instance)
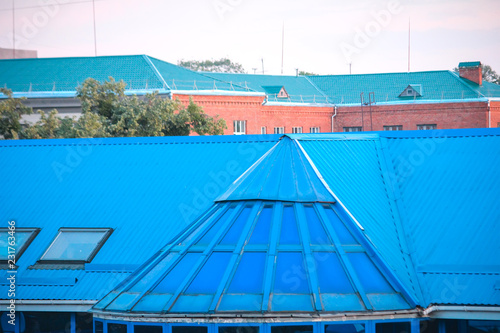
(270, 256)
(146, 189)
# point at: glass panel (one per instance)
(99, 327)
(209, 277)
(292, 329)
(429, 326)
(343, 234)
(117, 328)
(46, 322)
(403, 327)
(74, 245)
(20, 238)
(249, 275)
(290, 276)
(260, 234)
(317, 233)
(234, 233)
(370, 277)
(331, 274)
(154, 273)
(147, 329)
(172, 281)
(289, 232)
(189, 329)
(83, 322)
(345, 328)
(238, 329)
(484, 326)
(209, 236)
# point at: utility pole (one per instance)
(13, 31)
(282, 46)
(95, 35)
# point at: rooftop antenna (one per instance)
(13, 31)
(262, 65)
(254, 70)
(409, 41)
(282, 46)
(95, 39)
(350, 65)
(296, 72)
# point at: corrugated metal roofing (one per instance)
(435, 85)
(283, 173)
(146, 189)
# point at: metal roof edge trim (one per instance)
(428, 101)
(299, 104)
(218, 93)
(326, 184)
(155, 70)
(72, 94)
(143, 140)
(334, 136)
(478, 312)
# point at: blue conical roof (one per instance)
(260, 253)
(283, 173)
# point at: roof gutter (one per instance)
(47, 305)
(463, 312)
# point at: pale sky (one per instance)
(320, 36)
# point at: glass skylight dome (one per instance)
(277, 247)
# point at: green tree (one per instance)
(11, 111)
(306, 73)
(223, 65)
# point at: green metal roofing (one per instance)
(469, 64)
(299, 88)
(436, 86)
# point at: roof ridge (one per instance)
(385, 73)
(464, 83)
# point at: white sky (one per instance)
(443, 32)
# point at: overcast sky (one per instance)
(320, 36)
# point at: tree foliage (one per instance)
(306, 73)
(488, 74)
(108, 112)
(223, 65)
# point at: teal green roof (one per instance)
(299, 88)
(470, 64)
(435, 85)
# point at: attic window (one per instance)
(15, 241)
(75, 245)
(413, 90)
(282, 93)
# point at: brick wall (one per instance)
(250, 108)
(495, 114)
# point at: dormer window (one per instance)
(276, 92)
(413, 90)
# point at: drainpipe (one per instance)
(489, 114)
(333, 116)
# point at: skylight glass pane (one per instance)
(316, 231)
(370, 277)
(332, 277)
(208, 279)
(20, 238)
(249, 276)
(209, 236)
(291, 276)
(234, 233)
(75, 245)
(289, 232)
(343, 234)
(174, 278)
(260, 234)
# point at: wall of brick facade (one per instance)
(256, 115)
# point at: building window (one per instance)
(15, 241)
(189, 329)
(279, 130)
(314, 130)
(75, 245)
(98, 326)
(393, 128)
(426, 127)
(292, 329)
(353, 129)
(117, 328)
(394, 327)
(240, 127)
(343, 328)
(239, 329)
(296, 130)
(148, 329)
(263, 130)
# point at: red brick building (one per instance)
(265, 104)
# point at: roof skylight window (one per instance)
(76, 245)
(15, 242)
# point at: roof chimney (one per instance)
(472, 71)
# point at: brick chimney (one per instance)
(472, 71)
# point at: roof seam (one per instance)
(155, 71)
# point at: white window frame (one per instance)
(425, 127)
(263, 130)
(314, 130)
(279, 130)
(12, 241)
(353, 129)
(393, 127)
(106, 233)
(239, 127)
(296, 130)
